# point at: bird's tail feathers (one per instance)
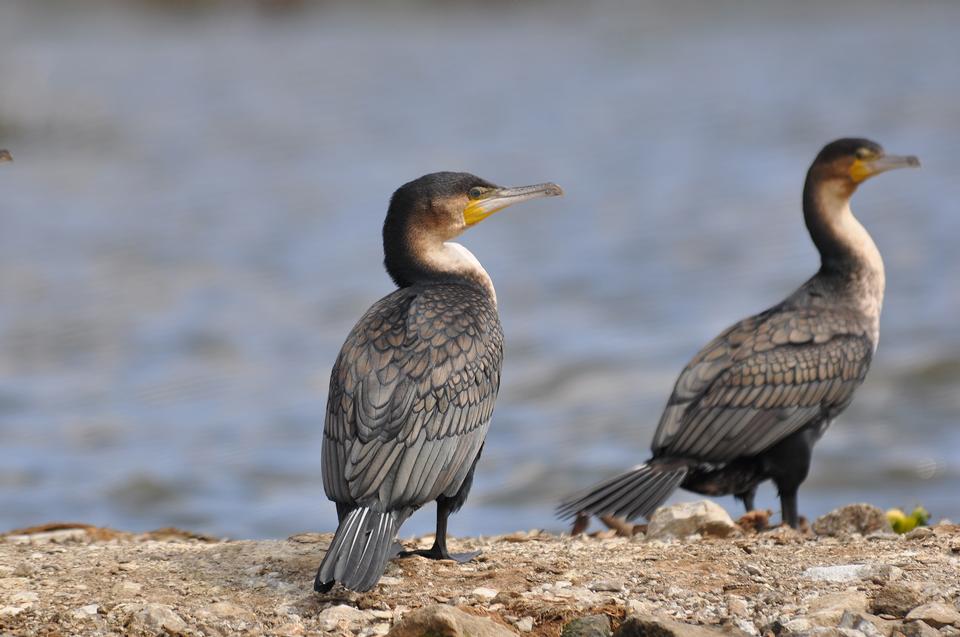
(637, 492)
(360, 550)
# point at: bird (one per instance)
(753, 402)
(5, 155)
(413, 389)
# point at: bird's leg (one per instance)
(747, 498)
(788, 505)
(439, 549)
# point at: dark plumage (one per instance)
(751, 404)
(413, 389)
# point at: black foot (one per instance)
(434, 553)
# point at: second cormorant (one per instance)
(751, 404)
(412, 391)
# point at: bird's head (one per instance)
(5, 155)
(850, 161)
(443, 205)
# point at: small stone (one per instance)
(639, 607)
(737, 606)
(155, 618)
(127, 588)
(290, 629)
(24, 598)
(605, 585)
(896, 599)
(936, 614)
(797, 625)
(24, 569)
(440, 620)
(11, 611)
(589, 626)
(853, 518)
(228, 610)
(84, 612)
(524, 624)
(380, 629)
(859, 622)
(918, 629)
(341, 616)
(688, 518)
(484, 594)
(652, 625)
(839, 573)
(919, 533)
(746, 626)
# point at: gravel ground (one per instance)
(70, 579)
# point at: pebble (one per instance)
(896, 599)
(155, 618)
(589, 626)
(228, 610)
(737, 606)
(24, 598)
(918, 629)
(84, 612)
(11, 611)
(839, 573)
(936, 614)
(688, 518)
(862, 519)
(524, 624)
(341, 616)
(484, 594)
(606, 585)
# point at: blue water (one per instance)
(191, 226)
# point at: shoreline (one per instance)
(94, 581)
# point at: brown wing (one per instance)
(411, 397)
(763, 379)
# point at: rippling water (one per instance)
(191, 227)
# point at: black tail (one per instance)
(360, 550)
(634, 493)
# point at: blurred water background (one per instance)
(192, 225)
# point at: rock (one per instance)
(484, 594)
(341, 616)
(605, 585)
(896, 599)
(737, 606)
(154, 619)
(798, 625)
(936, 614)
(839, 573)
(919, 533)
(654, 626)
(446, 621)
(11, 611)
(85, 612)
(589, 626)
(229, 611)
(24, 598)
(850, 519)
(849, 600)
(524, 624)
(859, 622)
(689, 518)
(918, 629)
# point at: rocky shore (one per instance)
(691, 573)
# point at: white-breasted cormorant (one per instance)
(751, 404)
(412, 391)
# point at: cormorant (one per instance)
(412, 391)
(751, 404)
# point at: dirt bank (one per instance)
(94, 581)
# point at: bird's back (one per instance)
(766, 377)
(411, 396)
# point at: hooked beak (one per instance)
(863, 169)
(5, 155)
(499, 198)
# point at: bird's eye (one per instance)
(863, 153)
(475, 193)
